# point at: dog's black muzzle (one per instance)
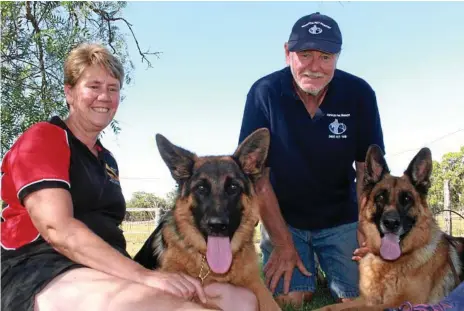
(390, 222)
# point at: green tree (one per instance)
(36, 37)
(171, 197)
(142, 199)
(450, 168)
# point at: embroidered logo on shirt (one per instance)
(112, 173)
(337, 128)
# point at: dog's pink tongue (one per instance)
(390, 247)
(219, 254)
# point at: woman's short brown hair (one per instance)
(88, 54)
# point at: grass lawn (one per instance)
(457, 222)
(322, 297)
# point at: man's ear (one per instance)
(287, 53)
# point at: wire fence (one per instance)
(451, 221)
(137, 231)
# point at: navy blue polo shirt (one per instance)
(311, 160)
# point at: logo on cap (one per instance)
(314, 30)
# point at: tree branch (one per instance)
(110, 36)
(108, 18)
(48, 7)
(10, 58)
(30, 17)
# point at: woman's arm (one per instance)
(51, 212)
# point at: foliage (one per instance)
(450, 168)
(36, 37)
(171, 197)
(142, 199)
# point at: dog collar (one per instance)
(202, 275)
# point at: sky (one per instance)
(411, 53)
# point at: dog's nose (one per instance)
(392, 222)
(218, 225)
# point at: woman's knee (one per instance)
(296, 299)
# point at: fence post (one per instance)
(446, 206)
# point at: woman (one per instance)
(62, 248)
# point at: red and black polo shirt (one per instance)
(48, 155)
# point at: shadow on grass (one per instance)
(321, 298)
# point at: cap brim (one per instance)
(318, 45)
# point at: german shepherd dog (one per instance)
(410, 259)
(209, 232)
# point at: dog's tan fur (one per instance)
(422, 274)
(185, 255)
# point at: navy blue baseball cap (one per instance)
(315, 32)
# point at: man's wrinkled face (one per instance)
(311, 69)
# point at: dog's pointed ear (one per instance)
(252, 153)
(375, 166)
(179, 161)
(420, 170)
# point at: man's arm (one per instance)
(369, 132)
(284, 256)
(270, 213)
(359, 182)
(359, 188)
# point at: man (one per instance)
(322, 121)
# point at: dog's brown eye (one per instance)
(379, 198)
(232, 189)
(201, 189)
(406, 199)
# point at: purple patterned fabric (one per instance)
(454, 302)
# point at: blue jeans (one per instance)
(334, 248)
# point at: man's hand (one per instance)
(363, 250)
(359, 253)
(282, 261)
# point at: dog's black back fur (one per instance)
(458, 244)
(149, 254)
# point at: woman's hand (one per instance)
(178, 284)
